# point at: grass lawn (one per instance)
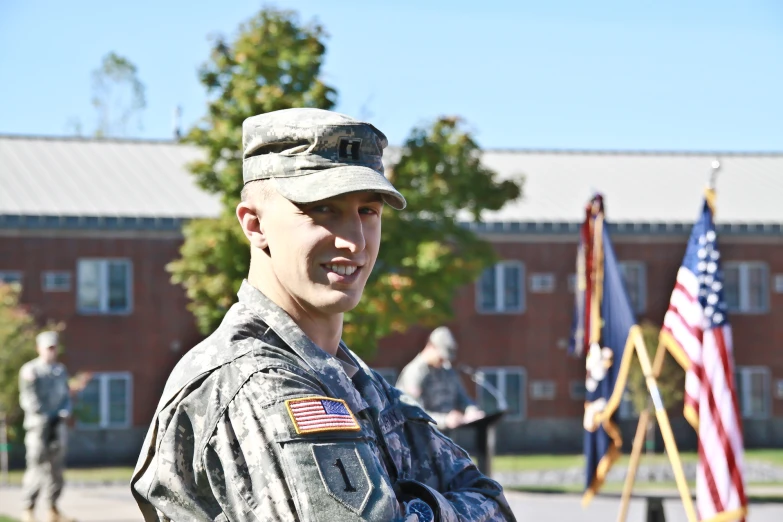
(113, 474)
(4, 518)
(552, 462)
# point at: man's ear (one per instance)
(250, 220)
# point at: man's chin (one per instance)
(339, 302)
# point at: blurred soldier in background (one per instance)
(46, 401)
(430, 379)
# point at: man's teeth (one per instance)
(342, 269)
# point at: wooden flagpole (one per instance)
(638, 441)
(666, 428)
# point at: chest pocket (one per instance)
(404, 427)
(335, 476)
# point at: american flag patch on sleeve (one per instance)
(318, 414)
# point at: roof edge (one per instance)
(631, 152)
(90, 139)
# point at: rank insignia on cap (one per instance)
(319, 414)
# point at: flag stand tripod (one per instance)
(651, 372)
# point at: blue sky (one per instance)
(566, 75)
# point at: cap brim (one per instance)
(328, 183)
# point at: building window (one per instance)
(578, 390)
(11, 277)
(105, 402)
(753, 391)
(496, 384)
(571, 283)
(543, 390)
(635, 279)
(626, 409)
(501, 289)
(389, 375)
(746, 287)
(104, 286)
(54, 281)
(542, 283)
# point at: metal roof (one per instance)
(140, 184)
(639, 187)
(75, 177)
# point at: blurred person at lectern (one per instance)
(431, 381)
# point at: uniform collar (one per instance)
(329, 369)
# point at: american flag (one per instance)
(697, 332)
(318, 414)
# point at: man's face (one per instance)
(48, 353)
(321, 253)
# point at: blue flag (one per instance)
(608, 358)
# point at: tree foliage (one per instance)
(671, 381)
(17, 346)
(274, 63)
(118, 96)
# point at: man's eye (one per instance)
(321, 208)
(368, 210)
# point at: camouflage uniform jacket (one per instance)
(224, 445)
(43, 392)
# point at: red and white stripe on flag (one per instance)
(702, 344)
(319, 414)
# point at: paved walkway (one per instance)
(115, 504)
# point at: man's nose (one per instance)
(350, 235)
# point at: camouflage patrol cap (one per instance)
(313, 154)
(442, 338)
(46, 339)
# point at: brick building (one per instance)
(88, 226)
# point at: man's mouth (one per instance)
(344, 270)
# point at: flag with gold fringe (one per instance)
(603, 319)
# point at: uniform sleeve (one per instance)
(259, 468)
(444, 475)
(28, 393)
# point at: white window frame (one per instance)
(502, 371)
(744, 268)
(388, 371)
(745, 373)
(500, 283)
(11, 274)
(641, 306)
(543, 390)
(103, 399)
(104, 287)
(48, 277)
(542, 283)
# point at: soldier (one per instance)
(272, 417)
(46, 401)
(435, 385)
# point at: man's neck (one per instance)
(324, 330)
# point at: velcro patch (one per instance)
(319, 414)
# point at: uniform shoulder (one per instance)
(27, 371)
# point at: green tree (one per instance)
(118, 96)
(426, 255)
(273, 63)
(671, 381)
(17, 346)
